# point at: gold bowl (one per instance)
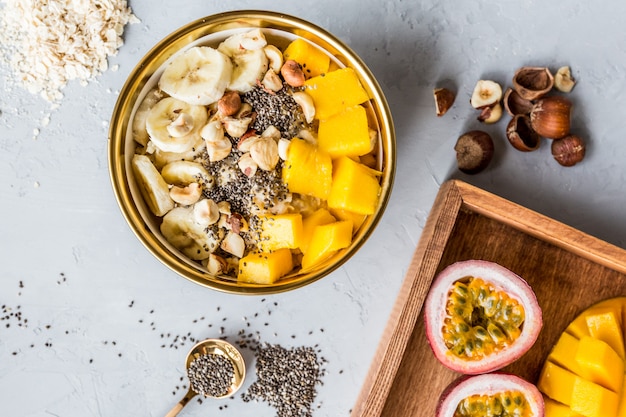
(210, 31)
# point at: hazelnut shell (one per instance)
(532, 83)
(550, 117)
(474, 151)
(444, 99)
(521, 135)
(515, 104)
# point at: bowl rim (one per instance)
(177, 40)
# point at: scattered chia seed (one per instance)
(286, 379)
(211, 375)
(275, 109)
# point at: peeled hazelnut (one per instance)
(533, 82)
(271, 81)
(292, 73)
(521, 135)
(490, 114)
(444, 99)
(187, 195)
(550, 117)
(265, 153)
(305, 102)
(563, 80)
(229, 104)
(216, 265)
(486, 93)
(233, 244)
(568, 151)
(514, 103)
(474, 151)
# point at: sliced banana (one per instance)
(164, 118)
(249, 65)
(191, 238)
(198, 76)
(140, 134)
(152, 186)
(183, 173)
(162, 158)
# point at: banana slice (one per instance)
(174, 126)
(153, 187)
(162, 158)
(191, 238)
(249, 65)
(140, 135)
(183, 173)
(198, 76)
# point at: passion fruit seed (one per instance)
(502, 404)
(480, 319)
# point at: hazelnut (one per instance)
(533, 82)
(486, 93)
(521, 135)
(550, 117)
(444, 99)
(292, 73)
(568, 151)
(474, 151)
(515, 104)
(229, 104)
(563, 80)
(490, 114)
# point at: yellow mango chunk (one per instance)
(280, 231)
(607, 326)
(307, 170)
(621, 409)
(313, 60)
(578, 327)
(564, 353)
(356, 218)
(326, 241)
(335, 91)
(317, 218)
(265, 268)
(556, 409)
(346, 133)
(557, 383)
(355, 187)
(598, 363)
(592, 400)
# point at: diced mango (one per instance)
(317, 218)
(592, 400)
(356, 218)
(265, 268)
(606, 326)
(313, 60)
(578, 327)
(564, 353)
(556, 409)
(621, 410)
(346, 133)
(307, 170)
(557, 383)
(599, 363)
(280, 231)
(335, 91)
(355, 187)
(326, 241)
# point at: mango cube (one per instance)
(592, 400)
(319, 217)
(556, 409)
(313, 60)
(308, 170)
(346, 133)
(326, 241)
(564, 353)
(356, 218)
(355, 187)
(280, 231)
(335, 91)
(598, 363)
(265, 268)
(621, 409)
(606, 326)
(557, 383)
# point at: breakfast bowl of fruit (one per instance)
(251, 152)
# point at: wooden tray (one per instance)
(568, 270)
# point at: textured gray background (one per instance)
(62, 234)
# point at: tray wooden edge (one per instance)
(452, 196)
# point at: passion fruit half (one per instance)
(494, 394)
(480, 316)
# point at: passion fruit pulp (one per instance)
(495, 394)
(480, 316)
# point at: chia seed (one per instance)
(275, 109)
(211, 375)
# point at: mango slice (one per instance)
(308, 170)
(280, 231)
(335, 91)
(346, 133)
(599, 363)
(313, 61)
(326, 241)
(356, 218)
(556, 409)
(355, 187)
(265, 268)
(319, 217)
(606, 326)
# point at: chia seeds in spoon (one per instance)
(211, 375)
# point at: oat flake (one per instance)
(48, 43)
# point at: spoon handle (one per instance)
(174, 411)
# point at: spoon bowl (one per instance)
(220, 349)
